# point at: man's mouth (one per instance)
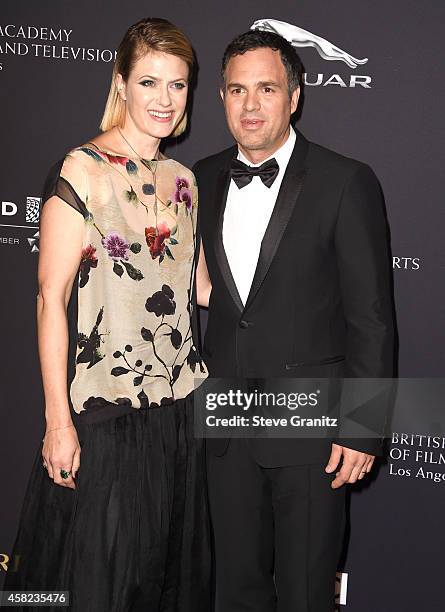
(252, 123)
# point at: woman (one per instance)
(117, 516)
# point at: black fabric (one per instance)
(242, 174)
(56, 185)
(278, 534)
(322, 287)
(194, 298)
(134, 534)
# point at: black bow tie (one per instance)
(242, 174)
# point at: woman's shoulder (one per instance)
(81, 156)
(86, 153)
(89, 160)
(69, 179)
(77, 166)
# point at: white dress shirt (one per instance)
(247, 215)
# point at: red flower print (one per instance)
(89, 254)
(112, 159)
(116, 159)
(88, 260)
(156, 237)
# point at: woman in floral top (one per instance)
(117, 516)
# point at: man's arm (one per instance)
(364, 267)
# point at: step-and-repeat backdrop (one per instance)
(373, 91)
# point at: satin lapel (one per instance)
(222, 189)
(288, 194)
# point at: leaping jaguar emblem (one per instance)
(302, 38)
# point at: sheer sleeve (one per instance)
(68, 180)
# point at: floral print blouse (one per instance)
(135, 280)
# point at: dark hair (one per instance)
(259, 39)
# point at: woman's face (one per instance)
(156, 94)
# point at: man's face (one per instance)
(257, 103)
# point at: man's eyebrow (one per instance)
(259, 84)
(268, 84)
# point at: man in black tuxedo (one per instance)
(295, 259)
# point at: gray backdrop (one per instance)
(54, 78)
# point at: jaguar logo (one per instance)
(302, 38)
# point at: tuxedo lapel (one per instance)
(222, 189)
(287, 198)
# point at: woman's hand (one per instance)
(61, 451)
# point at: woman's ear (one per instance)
(120, 85)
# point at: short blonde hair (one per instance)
(150, 34)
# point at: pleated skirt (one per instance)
(134, 534)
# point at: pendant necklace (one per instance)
(148, 164)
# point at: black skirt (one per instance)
(134, 534)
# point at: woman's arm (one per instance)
(61, 235)
(203, 284)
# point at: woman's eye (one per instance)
(178, 85)
(147, 83)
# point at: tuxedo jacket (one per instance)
(320, 304)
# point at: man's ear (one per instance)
(295, 96)
(221, 93)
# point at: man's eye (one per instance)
(236, 90)
(147, 83)
(268, 89)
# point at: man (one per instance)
(295, 243)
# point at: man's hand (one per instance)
(355, 465)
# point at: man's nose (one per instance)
(251, 101)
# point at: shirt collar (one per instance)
(282, 155)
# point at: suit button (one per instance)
(244, 324)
